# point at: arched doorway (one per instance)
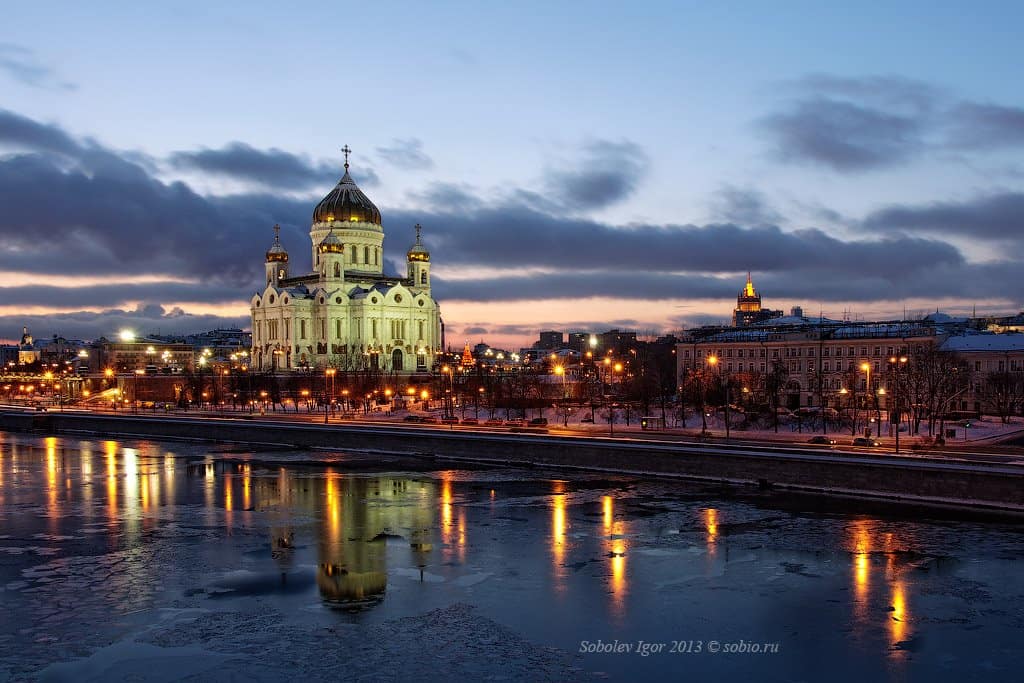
(396, 360)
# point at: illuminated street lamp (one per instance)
(713, 362)
(560, 370)
(896, 364)
(328, 375)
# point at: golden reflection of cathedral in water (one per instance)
(355, 517)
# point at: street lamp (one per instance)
(560, 370)
(328, 373)
(866, 367)
(896, 364)
(713, 362)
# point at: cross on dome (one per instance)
(346, 150)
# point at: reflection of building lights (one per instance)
(898, 615)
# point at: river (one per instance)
(144, 560)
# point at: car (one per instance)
(41, 409)
(494, 423)
(450, 420)
(589, 420)
(428, 419)
(470, 421)
(513, 423)
(864, 441)
(413, 418)
(822, 440)
(539, 422)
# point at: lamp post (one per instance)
(713, 362)
(560, 370)
(878, 408)
(866, 367)
(896, 364)
(328, 374)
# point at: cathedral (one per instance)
(346, 314)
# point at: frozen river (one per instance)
(129, 560)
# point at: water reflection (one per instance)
(615, 533)
(882, 596)
(558, 527)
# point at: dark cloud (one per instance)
(474, 330)
(861, 124)
(809, 284)
(407, 154)
(24, 133)
(501, 236)
(992, 217)
(742, 205)
(269, 168)
(844, 136)
(22, 64)
(147, 319)
(607, 173)
(986, 126)
(112, 296)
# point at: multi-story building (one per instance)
(824, 359)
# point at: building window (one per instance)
(302, 329)
(337, 328)
(352, 253)
(366, 255)
(423, 277)
(421, 329)
(762, 353)
(825, 366)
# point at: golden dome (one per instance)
(277, 253)
(418, 252)
(346, 203)
(331, 244)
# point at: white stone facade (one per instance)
(346, 313)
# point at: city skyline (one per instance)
(140, 186)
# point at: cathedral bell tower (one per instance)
(277, 260)
(419, 263)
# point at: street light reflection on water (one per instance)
(540, 553)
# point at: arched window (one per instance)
(337, 270)
(376, 257)
(353, 252)
(366, 255)
(423, 277)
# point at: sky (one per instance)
(575, 166)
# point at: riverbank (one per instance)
(831, 472)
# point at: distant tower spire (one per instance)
(346, 151)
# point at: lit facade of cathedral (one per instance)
(346, 313)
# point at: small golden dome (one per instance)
(331, 244)
(277, 253)
(418, 252)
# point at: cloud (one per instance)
(742, 205)
(844, 136)
(72, 206)
(607, 174)
(854, 125)
(22, 64)
(407, 154)
(986, 126)
(501, 235)
(474, 329)
(146, 319)
(990, 217)
(268, 168)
